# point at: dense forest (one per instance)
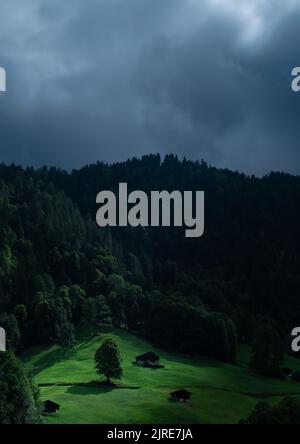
(198, 296)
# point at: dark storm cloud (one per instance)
(109, 79)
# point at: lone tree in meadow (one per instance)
(108, 360)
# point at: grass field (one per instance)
(221, 393)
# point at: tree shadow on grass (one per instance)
(89, 389)
(96, 388)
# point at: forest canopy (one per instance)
(58, 268)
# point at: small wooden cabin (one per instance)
(181, 395)
(50, 407)
(149, 359)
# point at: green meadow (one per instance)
(221, 393)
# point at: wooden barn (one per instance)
(181, 395)
(148, 359)
(50, 407)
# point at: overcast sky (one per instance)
(106, 80)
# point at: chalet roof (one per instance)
(149, 356)
(52, 404)
(182, 392)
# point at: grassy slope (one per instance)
(222, 393)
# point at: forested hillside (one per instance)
(200, 296)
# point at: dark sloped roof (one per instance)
(149, 356)
(52, 404)
(182, 392)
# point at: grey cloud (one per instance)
(109, 79)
